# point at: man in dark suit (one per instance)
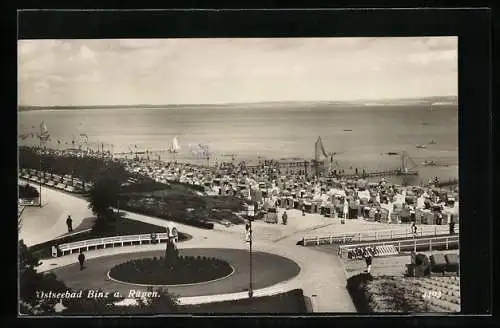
(368, 260)
(81, 260)
(69, 223)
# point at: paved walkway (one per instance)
(321, 277)
(268, 270)
(40, 224)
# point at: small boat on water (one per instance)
(174, 148)
(429, 163)
(347, 130)
(421, 146)
(392, 153)
(432, 142)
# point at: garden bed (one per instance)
(27, 192)
(290, 302)
(156, 271)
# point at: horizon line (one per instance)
(244, 103)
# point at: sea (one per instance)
(357, 136)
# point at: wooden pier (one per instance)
(387, 173)
(449, 183)
(408, 168)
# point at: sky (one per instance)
(202, 71)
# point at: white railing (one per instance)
(118, 241)
(32, 202)
(414, 244)
(376, 235)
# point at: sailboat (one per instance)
(174, 147)
(44, 135)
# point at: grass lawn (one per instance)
(27, 192)
(121, 227)
(290, 302)
(181, 204)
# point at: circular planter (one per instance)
(157, 272)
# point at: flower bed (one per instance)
(289, 302)
(156, 271)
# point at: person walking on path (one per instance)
(247, 232)
(69, 223)
(284, 218)
(368, 260)
(81, 260)
(414, 229)
(303, 210)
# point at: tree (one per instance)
(102, 197)
(164, 303)
(32, 284)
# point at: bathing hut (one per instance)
(353, 209)
(427, 217)
(271, 215)
(316, 206)
(371, 214)
(384, 215)
(307, 202)
(288, 202)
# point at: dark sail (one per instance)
(319, 150)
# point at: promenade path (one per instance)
(321, 277)
(268, 270)
(40, 224)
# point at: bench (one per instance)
(117, 241)
(332, 239)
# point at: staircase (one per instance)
(386, 250)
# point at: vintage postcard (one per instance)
(258, 175)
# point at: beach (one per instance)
(265, 133)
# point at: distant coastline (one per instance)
(450, 100)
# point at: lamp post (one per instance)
(250, 214)
(41, 174)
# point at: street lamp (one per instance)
(250, 215)
(41, 174)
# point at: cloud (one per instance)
(232, 70)
(87, 54)
(443, 43)
(425, 58)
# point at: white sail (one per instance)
(175, 146)
(44, 132)
(43, 128)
